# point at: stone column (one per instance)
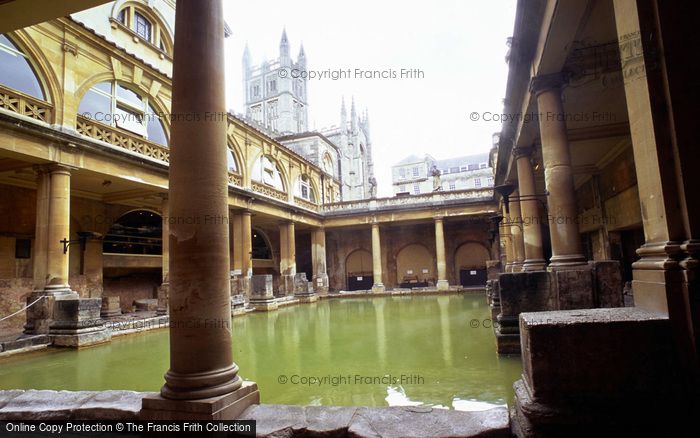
(318, 257)
(516, 231)
(288, 264)
(530, 214)
(507, 240)
(236, 243)
(41, 228)
(442, 283)
(58, 230)
(246, 244)
(39, 314)
(377, 259)
(558, 175)
(163, 290)
(203, 381)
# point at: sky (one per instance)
(455, 48)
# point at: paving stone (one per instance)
(44, 405)
(111, 405)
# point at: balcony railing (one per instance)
(117, 137)
(235, 179)
(306, 204)
(269, 191)
(28, 106)
(435, 198)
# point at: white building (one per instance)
(413, 174)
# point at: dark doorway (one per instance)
(472, 277)
(360, 282)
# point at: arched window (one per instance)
(260, 248)
(114, 104)
(267, 172)
(137, 232)
(305, 190)
(231, 162)
(145, 25)
(16, 72)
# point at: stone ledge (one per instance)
(35, 404)
(290, 421)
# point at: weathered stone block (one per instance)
(76, 313)
(607, 279)
(606, 352)
(146, 305)
(493, 268)
(261, 287)
(574, 289)
(525, 292)
(163, 298)
(111, 306)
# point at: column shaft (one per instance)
(41, 228)
(246, 244)
(442, 283)
(507, 240)
(377, 259)
(529, 210)
(516, 231)
(165, 244)
(58, 229)
(237, 242)
(558, 175)
(201, 362)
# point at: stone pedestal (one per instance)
(303, 289)
(224, 407)
(261, 296)
(520, 292)
(442, 285)
(146, 305)
(286, 286)
(607, 279)
(163, 298)
(110, 307)
(77, 323)
(598, 371)
(321, 283)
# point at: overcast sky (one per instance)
(458, 45)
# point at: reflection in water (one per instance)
(347, 345)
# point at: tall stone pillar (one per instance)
(58, 230)
(663, 127)
(203, 380)
(529, 210)
(318, 257)
(236, 243)
(516, 231)
(442, 283)
(558, 175)
(163, 289)
(377, 259)
(288, 264)
(507, 241)
(246, 244)
(40, 312)
(42, 227)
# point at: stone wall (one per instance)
(133, 287)
(13, 296)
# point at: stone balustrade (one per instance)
(24, 105)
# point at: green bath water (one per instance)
(411, 350)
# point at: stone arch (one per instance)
(415, 264)
(235, 148)
(259, 238)
(358, 270)
(43, 70)
(471, 256)
(284, 176)
(137, 231)
(153, 14)
(312, 182)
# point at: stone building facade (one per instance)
(84, 162)
(415, 175)
(276, 102)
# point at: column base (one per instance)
(378, 288)
(224, 407)
(443, 285)
(312, 298)
(576, 261)
(60, 291)
(517, 267)
(534, 265)
(264, 305)
(320, 283)
(80, 337)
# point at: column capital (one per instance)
(553, 81)
(523, 151)
(60, 168)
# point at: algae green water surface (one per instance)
(410, 350)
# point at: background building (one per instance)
(276, 102)
(413, 174)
